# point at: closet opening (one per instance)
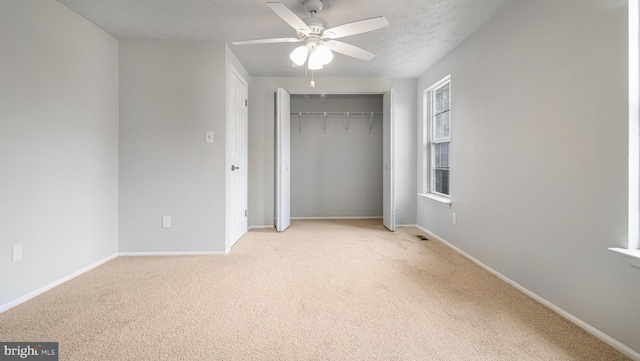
(336, 156)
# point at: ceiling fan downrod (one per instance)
(313, 6)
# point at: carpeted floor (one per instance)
(322, 290)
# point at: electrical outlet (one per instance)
(17, 252)
(454, 218)
(166, 221)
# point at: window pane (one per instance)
(442, 99)
(439, 101)
(445, 96)
(442, 126)
(441, 167)
(442, 181)
(441, 155)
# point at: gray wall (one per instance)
(58, 144)
(171, 93)
(336, 172)
(539, 153)
(261, 128)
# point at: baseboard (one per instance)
(311, 218)
(51, 285)
(185, 253)
(262, 227)
(580, 323)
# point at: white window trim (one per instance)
(440, 198)
(444, 201)
(632, 252)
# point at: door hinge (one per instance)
(246, 102)
(245, 212)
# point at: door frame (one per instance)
(391, 149)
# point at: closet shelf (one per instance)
(348, 115)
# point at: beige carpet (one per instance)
(322, 290)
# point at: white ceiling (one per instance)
(420, 34)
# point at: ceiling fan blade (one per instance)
(267, 41)
(289, 17)
(350, 50)
(356, 27)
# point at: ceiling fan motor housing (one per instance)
(316, 25)
(313, 6)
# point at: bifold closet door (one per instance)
(282, 202)
(388, 160)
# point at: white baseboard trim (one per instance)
(408, 225)
(185, 253)
(312, 218)
(53, 284)
(580, 323)
(262, 227)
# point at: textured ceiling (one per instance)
(420, 34)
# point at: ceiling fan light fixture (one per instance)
(319, 56)
(299, 55)
(324, 54)
(315, 61)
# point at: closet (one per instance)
(336, 150)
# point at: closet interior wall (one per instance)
(336, 161)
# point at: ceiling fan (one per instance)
(318, 38)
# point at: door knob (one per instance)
(233, 167)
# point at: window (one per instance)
(632, 251)
(438, 127)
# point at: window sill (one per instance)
(632, 255)
(443, 201)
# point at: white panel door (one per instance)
(388, 160)
(282, 212)
(237, 149)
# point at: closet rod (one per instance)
(327, 114)
(336, 113)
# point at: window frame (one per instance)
(634, 127)
(632, 250)
(429, 124)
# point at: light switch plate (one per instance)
(166, 221)
(209, 137)
(17, 252)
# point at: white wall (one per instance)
(335, 171)
(171, 93)
(261, 137)
(539, 153)
(58, 145)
